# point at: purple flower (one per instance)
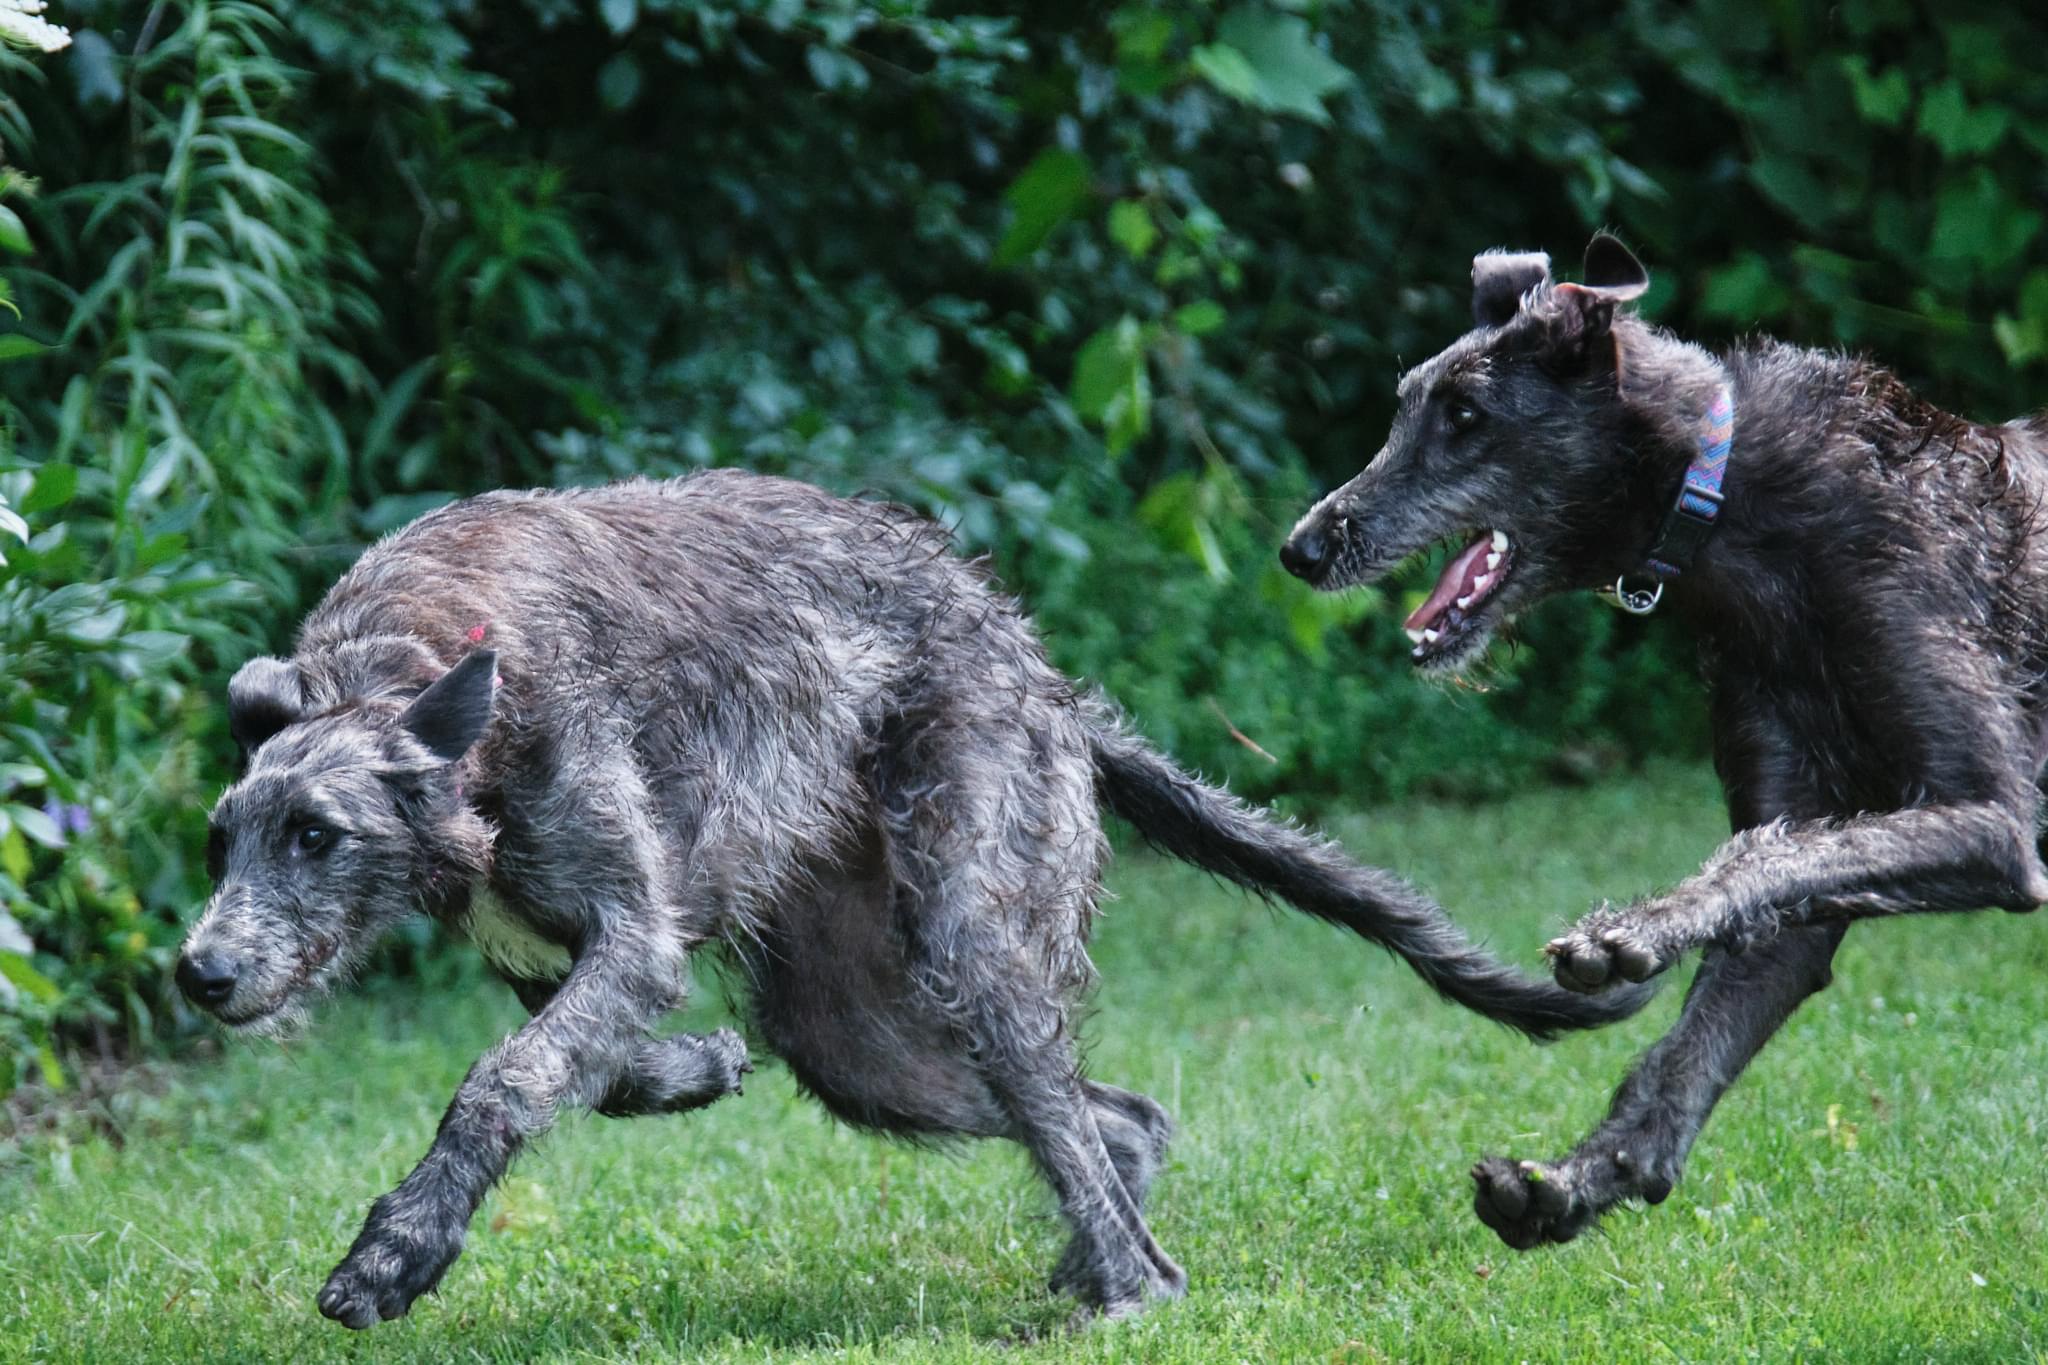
(68, 816)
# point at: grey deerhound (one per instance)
(598, 730)
(1869, 590)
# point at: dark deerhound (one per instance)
(1869, 593)
(598, 730)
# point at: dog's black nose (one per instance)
(1304, 554)
(207, 979)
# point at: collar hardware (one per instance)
(1693, 513)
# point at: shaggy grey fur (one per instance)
(602, 729)
(1870, 607)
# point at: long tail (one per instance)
(1219, 833)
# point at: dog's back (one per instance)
(746, 638)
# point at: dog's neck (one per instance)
(1740, 585)
(1667, 385)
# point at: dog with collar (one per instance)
(1867, 577)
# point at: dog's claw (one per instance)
(1601, 950)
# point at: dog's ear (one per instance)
(264, 696)
(452, 714)
(1613, 269)
(1581, 316)
(1500, 279)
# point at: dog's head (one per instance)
(343, 821)
(1513, 445)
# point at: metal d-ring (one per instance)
(1634, 601)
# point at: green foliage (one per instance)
(176, 480)
(1112, 290)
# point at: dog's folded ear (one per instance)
(1500, 279)
(264, 696)
(454, 712)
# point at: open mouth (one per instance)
(1451, 611)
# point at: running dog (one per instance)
(599, 730)
(1868, 580)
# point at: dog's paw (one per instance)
(382, 1274)
(726, 1053)
(1121, 1291)
(1527, 1203)
(1604, 949)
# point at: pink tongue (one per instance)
(1452, 585)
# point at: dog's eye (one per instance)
(311, 839)
(1462, 416)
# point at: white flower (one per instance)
(20, 26)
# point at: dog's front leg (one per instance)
(571, 1052)
(1928, 859)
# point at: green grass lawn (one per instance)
(1871, 1191)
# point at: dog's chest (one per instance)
(509, 943)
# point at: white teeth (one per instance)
(1429, 637)
(1500, 542)
(1465, 603)
(1414, 637)
(1481, 583)
(1492, 562)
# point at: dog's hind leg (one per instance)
(1738, 1000)
(1112, 1264)
(1135, 1131)
(994, 845)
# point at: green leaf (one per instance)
(13, 234)
(619, 15)
(1882, 99)
(55, 485)
(160, 550)
(618, 83)
(23, 974)
(1200, 318)
(53, 1074)
(1271, 61)
(1050, 190)
(1178, 509)
(1960, 131)
(1744, 292)
(1131, 227)
(1141, 34)
(36, 825)
(15, 346)
(1792, 185)
(1228, 70)
(1979, 222)
(835, 70)
(1112, 386)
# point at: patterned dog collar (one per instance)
(1691, 518)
